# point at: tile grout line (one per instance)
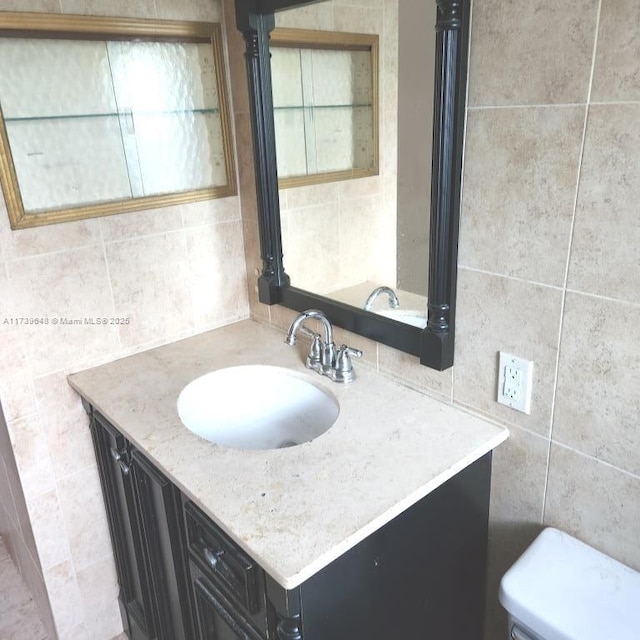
(568, 261)
(609, 465)
(109, 282)
(509, 277)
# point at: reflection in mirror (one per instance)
(345, 240)
(98, 120)
(325, 97)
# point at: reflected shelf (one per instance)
(121, 114)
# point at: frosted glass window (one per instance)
(102, 122)
(325, 105)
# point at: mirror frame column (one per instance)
(256, 27)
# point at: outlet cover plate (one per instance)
(515, 381)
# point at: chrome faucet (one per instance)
(393, 298)
(324, 357)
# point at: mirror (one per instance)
(433, 343)
(374, 247)
(92, 122)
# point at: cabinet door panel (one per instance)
(118, 495)
(159, 511)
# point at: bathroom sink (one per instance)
(408, 316)
(256, 407)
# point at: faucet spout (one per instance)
(300, 320)
(393, 298)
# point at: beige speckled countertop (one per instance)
(293, 510)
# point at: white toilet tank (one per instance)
(562, 589)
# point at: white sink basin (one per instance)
(256, 407)
(408, 316)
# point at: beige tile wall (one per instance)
(549, 269)
(172, 272)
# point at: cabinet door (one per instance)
(159, 507)
(117, 487)
(217, 618)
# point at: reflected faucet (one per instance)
(323, 356)
(394, 303)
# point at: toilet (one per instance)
(562, 589)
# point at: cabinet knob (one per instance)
(117, 456)
(212, 557)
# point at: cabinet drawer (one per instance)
(221, 560)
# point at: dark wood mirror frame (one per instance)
(435, 344)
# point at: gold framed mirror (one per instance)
(105, 115)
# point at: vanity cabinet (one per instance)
(144, 513)
(420, 576)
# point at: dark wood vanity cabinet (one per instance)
(420, 576)
(145, 520)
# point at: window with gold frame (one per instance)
(108, 115)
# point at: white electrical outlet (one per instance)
(515, 380)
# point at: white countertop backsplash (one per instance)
(293, 510)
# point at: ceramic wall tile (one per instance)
(520, 180)
(531, 52)
(120, 8)
(50, 238)
(6, 295)
(316, 16)
(358, 18)
(605, 254)
(357, 235)
(372, 185)
(141, 223)
(16, 386)
(200, 10)
(368, 347)
(315, 194)
(370, 4)
(64, 596)
(530, 330)
(101, 610)
(254, 269)
(45, 6)
(163, 306)
(597, 404)
(65, 425)
(84, 517)
(49, 530)
(246, 176)
(32, 456)
(64, 289)
(211, 211)
(617, 75)
(217, 275)
(518, 479)
(407, 368)
(595, 502)
(311, 255)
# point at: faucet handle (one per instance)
(344, 371)
(314, 359)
